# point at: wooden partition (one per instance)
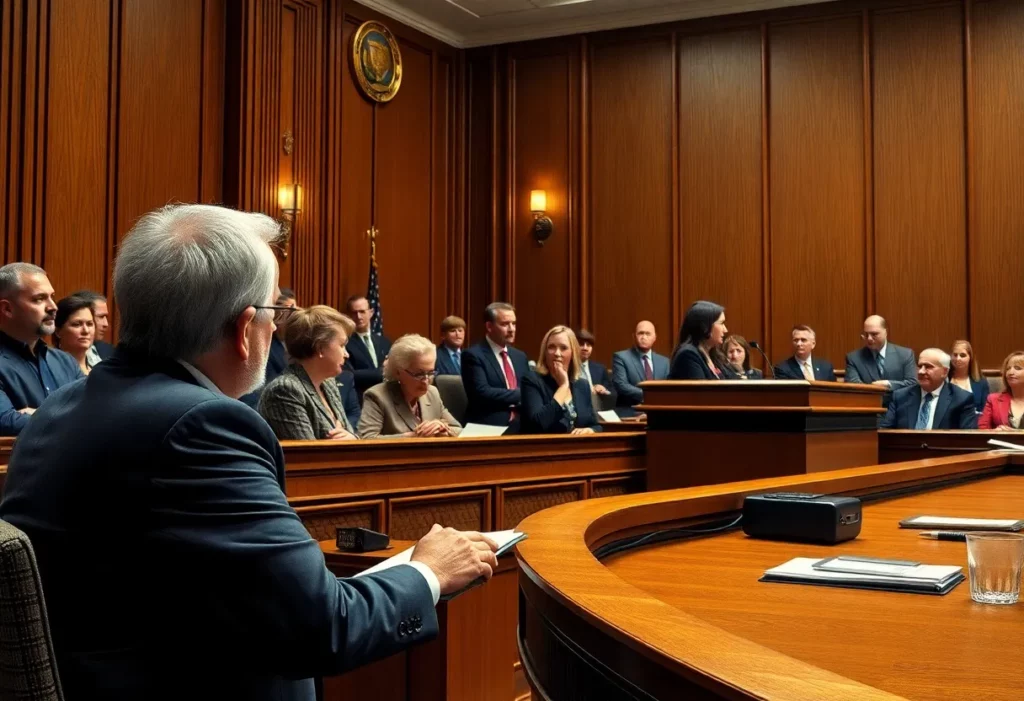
(900, 446)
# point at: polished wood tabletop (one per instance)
(915, 646)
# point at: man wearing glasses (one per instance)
(277, 359)
(407, 404)
(879, 362)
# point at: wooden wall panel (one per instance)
(720, 176)
(919, 175)
(540, 87)
(817, 183)
(481, 126)
(631, 202)
(997, 254)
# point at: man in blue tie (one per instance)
(879, 362)
(932, 403)
(449, 351)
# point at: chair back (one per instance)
(453, 394)
(28, 666)
(995, 384)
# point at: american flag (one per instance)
(373, 291)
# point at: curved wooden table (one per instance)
(687, 619)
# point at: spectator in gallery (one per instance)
(75, 329)
(29, 369)
(931, 403)
(637, 364)
(101, 350)
(700, 339)
(493, 370)
(367, 350)
(803, 364)
(407, 404)
(1003, 410)
(556, 398)
(306, 402)
(964, 373)
(449, 350)
(737, 354)
(879, 362)
(595, 373)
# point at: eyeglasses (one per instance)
(282, 310)
(421, 376)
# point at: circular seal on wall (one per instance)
(377, 62)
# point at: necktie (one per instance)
(369, 346)
(457, 360)
(586, 372)
(808, 372)
(922, 416)
(648, 375)
(416, 411)
(880, 362)
(510, 378)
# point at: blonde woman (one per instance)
(964, 373)
(556, 399)
(407, 404)
(1004, 410)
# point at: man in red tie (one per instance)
(492, 369)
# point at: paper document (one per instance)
(929, 579)
(481, 431)
(609, 417)
(506, 540)
(962, 524)
(1006, 446)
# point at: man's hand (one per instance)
(581, 431)
(28, 411)
(339, 434)
(456, 557)
(1005, 427)
(600, 389)
(429, 429)
(882, 383)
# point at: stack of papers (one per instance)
(867, 573)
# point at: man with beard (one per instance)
(29, 369)
(174, 566)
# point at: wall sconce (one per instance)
(543, 227)
(289, 201)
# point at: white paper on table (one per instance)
(1006, 446)
(481, 431)
(609, 417)
(504, 539)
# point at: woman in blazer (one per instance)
(406, 404)
(304, 402)
(700, 336)
(556, 398)
(737, 353)
(964, 373)
(1003, 411)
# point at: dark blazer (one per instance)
(292, 407)
(900, 366)
(689, 364)
(542, 414)
(954, 409)
(600, 375)
(980, 389)
(628, 372)
(20, 383)
(104, 349)
(349, 397)
(172, 562)
(367, 375)
(444, 365)
(997, 411)
(789, 369)
(489, 401)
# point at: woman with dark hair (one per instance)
(700, 338)
(75, 329)
(737, 353)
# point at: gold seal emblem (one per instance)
(376, 61)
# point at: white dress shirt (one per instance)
(931, 406)
(428, 574)
(498, 350)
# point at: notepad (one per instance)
(963, 524)
(609, 417)
(1006, 446)
(481, 431)
(919, 579)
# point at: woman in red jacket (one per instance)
(1004, 410)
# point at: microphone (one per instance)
(755, 345)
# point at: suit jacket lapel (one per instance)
(402, 407)
(914, 407)
(942, 404)
(638, 364)
(307, 384)
(493, 361)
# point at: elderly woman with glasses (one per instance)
(407, 404)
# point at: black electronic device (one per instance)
(802, 517)
(360, 540)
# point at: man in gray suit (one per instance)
(639, 363)
(879, 362)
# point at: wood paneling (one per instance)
(480, 274)
(720, 175)
(540, 89)
(919, 175)
(997, 256)
(632, 242)
(817, 182)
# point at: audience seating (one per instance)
(28, 666)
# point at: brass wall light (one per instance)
(543, 227)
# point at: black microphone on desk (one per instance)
(755, 345)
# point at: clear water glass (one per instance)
(995, 561)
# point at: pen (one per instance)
(944, 535)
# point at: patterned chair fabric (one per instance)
(28, 666)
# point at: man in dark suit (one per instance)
(932, 403)
(366, 350)
(638, 364)
(594, 372)
(880, 362)
(492, 370)
(449, 351)
(802, 365)
(173, 565)
(101, 350)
